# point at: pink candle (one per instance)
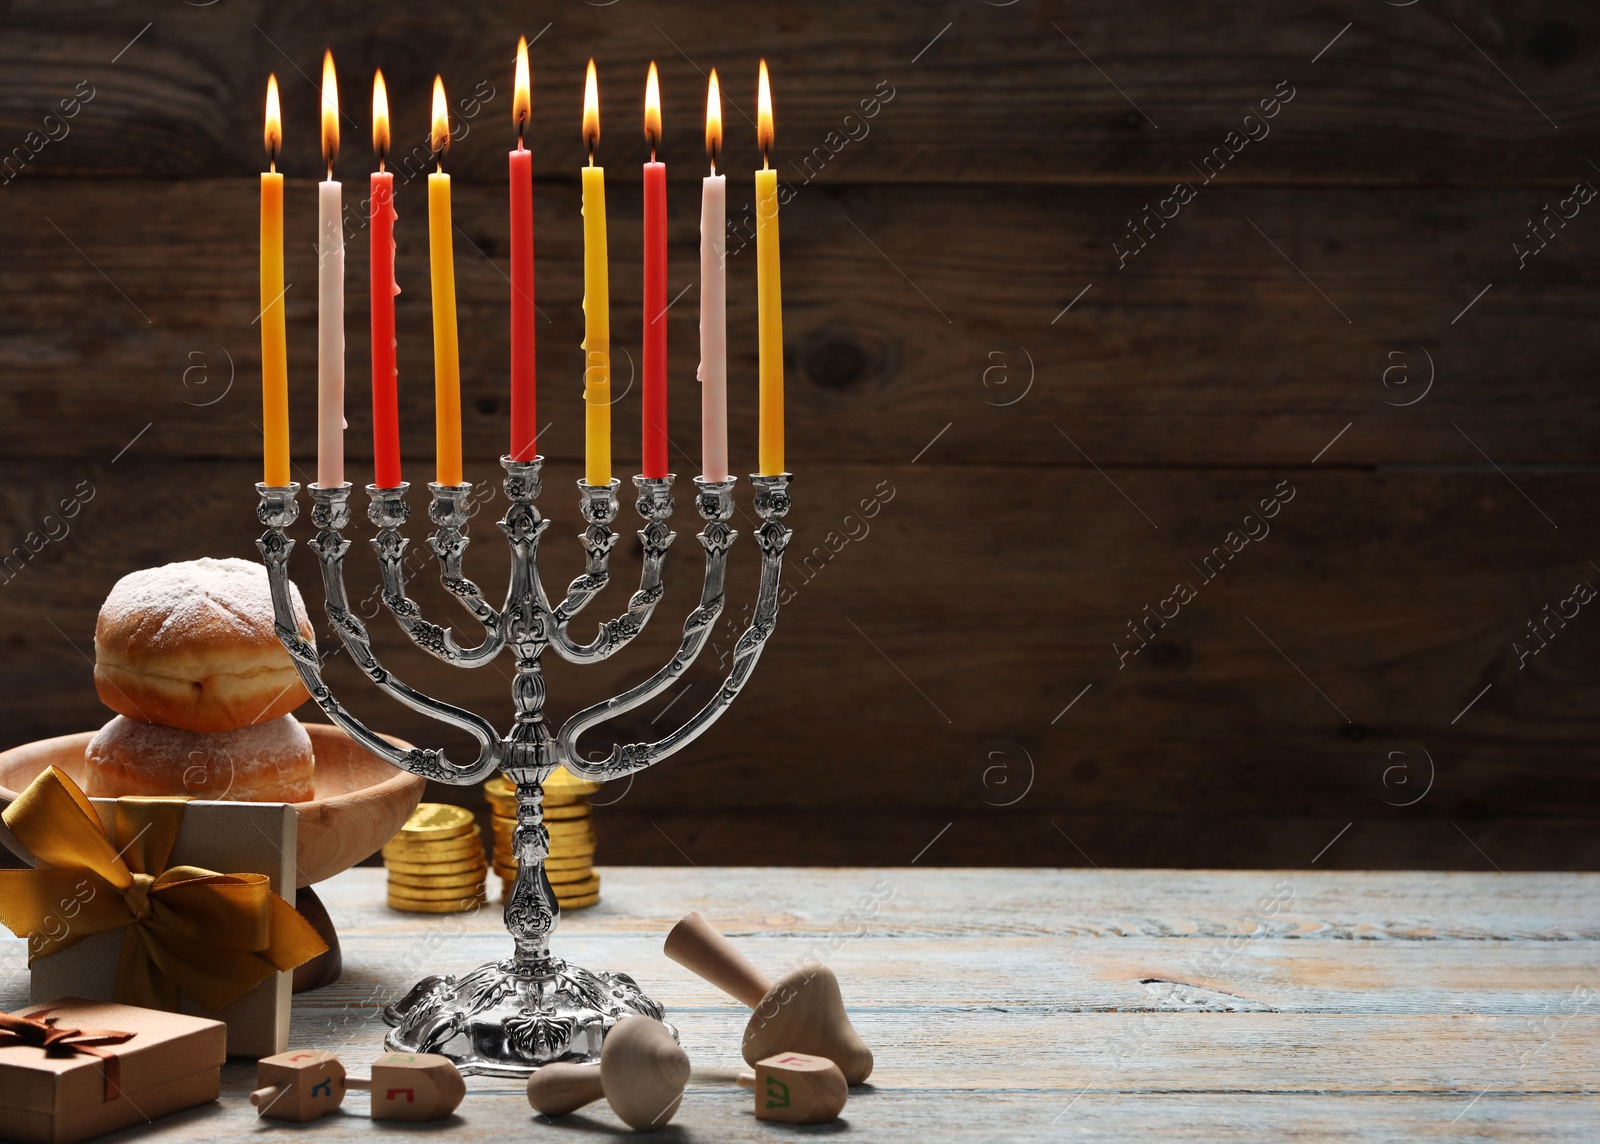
(713, 300)
(330, 296)
(654, 425)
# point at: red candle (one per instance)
(654, 449)
(524, 416)
(385, 398)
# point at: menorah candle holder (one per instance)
(509, 1017)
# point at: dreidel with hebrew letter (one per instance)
(412, 1086)
(797, 1088)
(300, 1085)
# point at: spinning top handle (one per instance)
(697, 946)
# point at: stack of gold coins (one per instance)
(436, 862)
(570, 866)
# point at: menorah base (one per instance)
(502, 1020)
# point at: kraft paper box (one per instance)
(230, 838)
(171, 1063)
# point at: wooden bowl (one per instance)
(360, 799)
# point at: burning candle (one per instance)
(330, 295)
(596, 300)
(713, 299)
(441, 263)
(524, 414)
(385, 395)
(653, 447)
(769, 300)
(274, 352)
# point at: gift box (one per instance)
(165, 903)
(73, 1069)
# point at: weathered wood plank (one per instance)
(720, 1114)
(1207, 349)
(1013, 91)
(795, 907)
(1399, 659)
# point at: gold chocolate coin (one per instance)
(509, 869)
(589, 885)
(557, 878)
(564, 812)
(564, 880)
(455, 906)
(570, 902)
(437, 881)
(554, 862)
(442, 894)
(570, 825)
(507, 811)
(456, 867)
(451, 849)
(436, 820)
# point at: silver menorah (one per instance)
(509, 1017)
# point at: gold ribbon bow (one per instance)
(215, 936)
(41, 1030)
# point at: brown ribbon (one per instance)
(42, 1032)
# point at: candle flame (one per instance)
(380, 117)
(714, 120)
(521, 100)
(272, 133)
(439, 138)
(764, 114)
(591, 112)
(330, 113)
(652, 111)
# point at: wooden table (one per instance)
(1008, 1004)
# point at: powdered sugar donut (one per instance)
(269, 762)
(191, 645)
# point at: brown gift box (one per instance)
(230, 837)
(172, 1062)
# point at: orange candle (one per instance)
(769, 296)
(274, 351)
(442, 263)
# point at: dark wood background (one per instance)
(1055, 439)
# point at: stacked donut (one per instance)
(187, 656)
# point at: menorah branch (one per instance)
(450, 511)
(715, 502)
(599, 507)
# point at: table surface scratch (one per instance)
(1035, 1004)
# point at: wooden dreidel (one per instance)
(301, 1085)
(642, 1075)
(797, 1088)
(802, 1013)
(412, 1086)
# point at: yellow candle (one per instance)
(596, 301)
(769, 295)
(274, 355)
(441, 261)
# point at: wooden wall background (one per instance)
(1055, 439)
